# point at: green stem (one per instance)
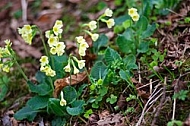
(43, 41)
(20, 69)
(51, 83)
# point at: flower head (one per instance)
(83, 45)
(80, 39)
(67, 68)
(57, 30)
(92, 25)
(108, 12)
(132, 11)
(44, 60)
(82, 51)
(76, 71)
(62, 101)
(48, 33)
(52, 41)
(94, 36)
(135, 17)
(26, 33)
(58, 23)
(6, 68)
(81, 64)
(110, 23)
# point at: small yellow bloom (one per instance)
(52, 41)
(80, 39)
(27, 38)
(1, 65)
(58, 23)
(82, 51)
(57, 30)
(50, 72)
(132, 11)
(76, 71)
(94, 36)
(6, 68)
(53, 50)
(26, 29)
(83, 45)
(81, 64)
(135, 17)
(67, 68)
(110, 23)
(108, 12)
(92, 25)
(44, 60)
(47, 33)
(62, 101)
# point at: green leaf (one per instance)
(111, 55)
(112, 99)
(58, 63)
(142, 24)
(181, 95)
(40, 77)
(38, 102)
(58, 121)
(25, 113)
(95, 105)
(77, 108)
(149, 31)
(127, 23)
(54, 107)
(3, 91)
(70, 94)
(103, 91)
(101, 42)
(88, 113)
(118, 29)
(125, 75)
(143, 47)
(98, 70)
(42, 89)
(125, 45)
(130, 62)
(81, 89)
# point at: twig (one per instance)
(147, 84)
(150, 86)
(174, 107)
(161, 104)
(24, 5)
(82, 119)
(139, 72)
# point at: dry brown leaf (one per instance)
(75, 79)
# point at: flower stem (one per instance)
(43, 41)
(20, 69)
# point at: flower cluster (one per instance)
(110, 22)
(83, 45)
(5, 53)
(45, 67)
(134, 14)
(26, 33)
(71, 61)
(53, 36)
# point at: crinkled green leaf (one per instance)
(98, 70)
(58, 121)
(42, 88)
(3, 91)
(25, 113)
(143, 47)
(125, 75)
(130, 62)
(142, 24)
(38, 102)
(125, 45)
(77, 108)
(111, 55)
(54, 107)
(149, 31)
(70, 94)
(101, 42)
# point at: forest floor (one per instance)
(173, 37)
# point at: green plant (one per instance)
(181, 95)
(174, 123)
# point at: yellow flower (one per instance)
(94, 37)
(80, 39)
(50, 72)
(62, 101)
(1, 65)
(52, 41)
(82, 51)
(67, 68)
(47, 33)
(58, 23)
(108, 12)
(135, 17)
(132, 11)
(92, 25)
(83, 45)
(53, 50)
(26, 29)
(27, 38)
(76, 71)
(81, 64)
(60, 48)
(6, 68)
(44, 60)
(110, 23)
(57, 30)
